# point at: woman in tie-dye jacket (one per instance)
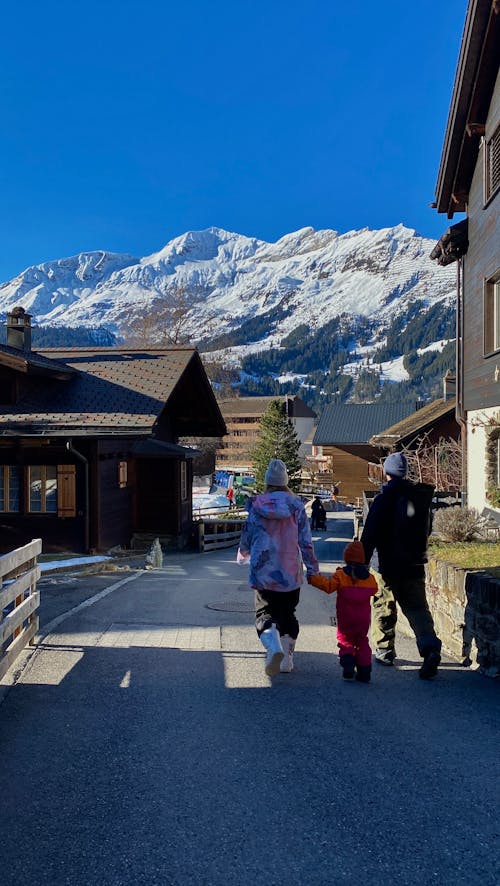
(276, 540)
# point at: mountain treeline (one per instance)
(66, 337)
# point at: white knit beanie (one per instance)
(276, 474)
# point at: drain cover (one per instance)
(232, 606)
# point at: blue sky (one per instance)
(124, 124)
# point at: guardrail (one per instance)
(214, 534)
(218, 511)
(19, 601)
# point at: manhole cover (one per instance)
(232, 606)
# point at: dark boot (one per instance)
(430, 664)
(363, 673)
(347, 663)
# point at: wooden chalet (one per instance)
(430, 437)
(344, 436)
(89, 457)
(242, 416)
(469, 182)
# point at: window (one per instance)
(122, 474)
(492, 170)
(42, 489)
(492, 314)
(10, 487)
(183, 481)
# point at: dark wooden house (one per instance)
(343, 435)
(89, 457)
(430, 437)
(469, 182)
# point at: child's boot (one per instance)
(347, 664)
(270, 639)
(288, 644)
(363, 673)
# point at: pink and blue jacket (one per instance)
(276, 540)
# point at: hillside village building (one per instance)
(469, 182)
(242, 416)
(89, 454)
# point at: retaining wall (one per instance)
(466, 610)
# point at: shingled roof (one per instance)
(417, 422)
(33, 363)
(110, 390)
(257, 406)
(343, 423)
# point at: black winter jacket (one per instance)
(397, 526)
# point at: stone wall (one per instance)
(466, 610)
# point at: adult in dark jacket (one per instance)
(318, 514)
(397, 527)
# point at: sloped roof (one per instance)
(476, 73)
(33, 363)
(356, 422)
(111, 390)
(257, 406)
(416, 423)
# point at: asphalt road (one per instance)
(143, 744)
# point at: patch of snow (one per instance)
(73, 561)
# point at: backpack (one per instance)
(412, 523)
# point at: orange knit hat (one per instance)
(354, 553)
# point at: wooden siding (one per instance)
(481, 387)
(157, 496)
(115, 503)
(58, 533)
(350, 472)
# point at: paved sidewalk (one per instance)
(143, 744)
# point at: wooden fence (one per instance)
(214, 534)
(19, 601)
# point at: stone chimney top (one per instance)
(19, 329)
(449, 386)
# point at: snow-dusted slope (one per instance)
(312, 275)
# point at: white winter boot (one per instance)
(270, 639)
(288, 644)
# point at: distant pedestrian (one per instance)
(230, 496)
(355, 586)
(318, 514)
(397, 527)
(276, 540)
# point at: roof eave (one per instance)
(475, 77)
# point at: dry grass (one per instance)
(469, 554)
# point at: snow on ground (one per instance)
(209, 501)
(435, 346)
(394, 370)
(73, 561)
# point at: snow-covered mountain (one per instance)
(306, 277)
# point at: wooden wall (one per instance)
(350, 472)
(481, 379)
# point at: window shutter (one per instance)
(66, 491)
(493, 165)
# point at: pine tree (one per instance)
(277, 439)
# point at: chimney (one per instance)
(19, 329)
(449, 386)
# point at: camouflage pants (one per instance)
(409, 593)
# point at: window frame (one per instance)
(44, 480)
(6, 471)
(183, 481)
(491, 315)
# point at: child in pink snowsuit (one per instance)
(355, 586)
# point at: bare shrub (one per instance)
(458, 524)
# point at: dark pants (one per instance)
(409, 593)
(278, 607)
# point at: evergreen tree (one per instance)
(277, 439)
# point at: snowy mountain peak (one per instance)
(306, 277)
